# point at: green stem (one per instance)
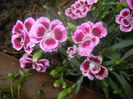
(12, 90)
(19, 88)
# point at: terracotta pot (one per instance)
(38, 81)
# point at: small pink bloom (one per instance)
(79, 9)
(72, 51)
(20, 35)
(41, 65)
(26, 61)
(92, 67)
(50, 35)
(125, 19)
(99, 31)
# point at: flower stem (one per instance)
(19, 88)
(12, 90)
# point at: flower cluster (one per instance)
(48, 34)
(92, 67)
(87, 37)
(27, 62)
(125, 19)
(79, 9)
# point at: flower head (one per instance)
(49, 35)
(72, 51)
(27, 62)
(125, 19)
(79, 9)
(92, 67)
(20, 35)
(87, 36)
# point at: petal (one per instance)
(130, 3)
(78, 37)
(125, 12)
(126, 29)
(95, 41)
(60, 33)
(85, 27)
(99, 31)
(29, 22)
(102, 74)
(55, 23)
(118, 19)
(86, 48)
(17, 42)
(41, 65)
(48, 45)
(44, 21)
(94, 68)
(95, 59)
(125, 22)
(85, 65)
(18, 27)
(90, 75)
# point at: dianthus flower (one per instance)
(27, 62)
(125, 19)
(72, 51)
(20, 35)
(92, 67)
(87, 36)
(79, 9)
(50, 35)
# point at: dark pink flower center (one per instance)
(96, 31)
(50, 42)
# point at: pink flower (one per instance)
(92, 67)
(122, 1)
(87, 36)
(27, 62)
(72, 51)
(20, 35)
(79, 9)
(41, 65)
(49, 35)
(125, 19)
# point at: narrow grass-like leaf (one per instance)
(127, 54)
(126, 87)
(122, 44)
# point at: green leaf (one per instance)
(122, 44)
(37, 55)
(71, 26)
(56, 72)
(78, 83)
(63, 94)
(127, 54)
(126, 87)
(60, 83)
(115, 87)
